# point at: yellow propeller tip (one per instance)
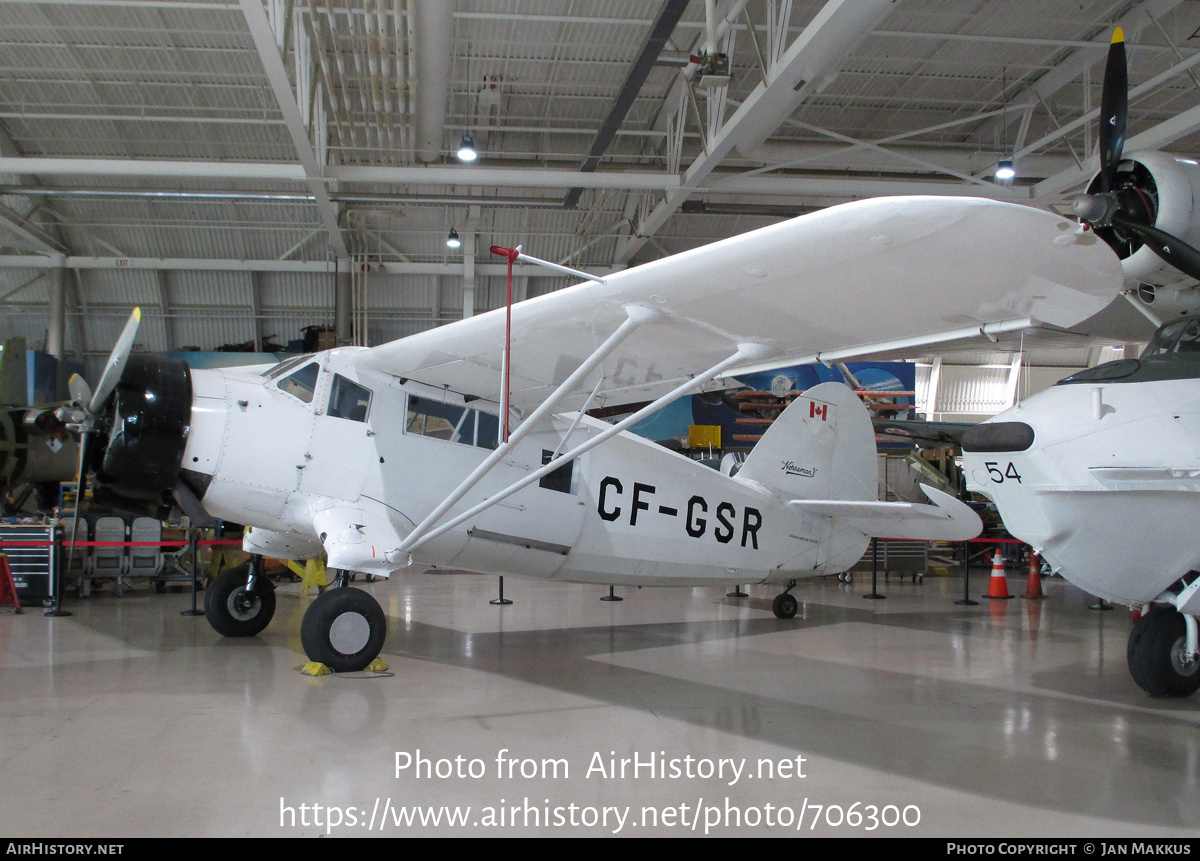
(137, 314)
(1118, 36)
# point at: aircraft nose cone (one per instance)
(998, 436)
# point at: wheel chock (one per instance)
(377, 666)
(315, 668)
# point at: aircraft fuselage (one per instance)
(1108, 489)
(288, 455)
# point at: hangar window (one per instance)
(451, 422)
(348, 400)
(303, 383)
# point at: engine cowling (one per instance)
(150, 415)
(1159, 189)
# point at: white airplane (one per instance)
(1101, 473)
(387, 456)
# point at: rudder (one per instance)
(821, 447)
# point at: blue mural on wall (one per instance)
(672, 421)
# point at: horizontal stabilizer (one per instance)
(947, 519)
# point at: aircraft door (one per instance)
(534, 529)
(342, 445)
(267, 434)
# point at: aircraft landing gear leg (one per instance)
(241, 601)
(343, 629)
(785, 604)
(1159, 658)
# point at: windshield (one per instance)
(283, 367)
(1182, 336)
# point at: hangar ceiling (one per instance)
(219, 162)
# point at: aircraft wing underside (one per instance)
(864, 274)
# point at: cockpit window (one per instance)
(303, 383)
(283, 367)
(348, 400)
(1180, 337)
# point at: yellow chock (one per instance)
(315, 668)
(377, 666)
(311, 575)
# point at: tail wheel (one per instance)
(343, 629)
(235, 611)
(1157, 653)
(785, 606)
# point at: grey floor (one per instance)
(909, 716)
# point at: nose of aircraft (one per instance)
(147, 422)
(998, 436)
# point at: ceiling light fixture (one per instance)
(466, 149)
(1004, 168)
(452, 241)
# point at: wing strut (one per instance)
(744, 353)
(637, 315)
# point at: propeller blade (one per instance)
(1174, 251)
(116, 364)
(81, 392)
(1114, 111)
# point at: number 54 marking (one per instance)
(998, 476)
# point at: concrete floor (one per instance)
(1008, 719)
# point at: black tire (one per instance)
(1155, 655)
(785, 606)
(234, 612)
(343, 629)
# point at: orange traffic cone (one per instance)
(998, 587)
(1033, 590)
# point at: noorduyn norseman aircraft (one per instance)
(435, 450)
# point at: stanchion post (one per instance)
(501, 599)
(194, 547)
(875, 570)
(966, 560)
(56, 576)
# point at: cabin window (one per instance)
(348, 400)
(303, 383)
(559, 479)
(451, 422)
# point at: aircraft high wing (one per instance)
(864, 277)
(396, 454)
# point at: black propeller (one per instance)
(1120, 205)
(1114, 111)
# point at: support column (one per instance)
(56, 326)
(343, 308)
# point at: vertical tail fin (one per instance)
(821, 447)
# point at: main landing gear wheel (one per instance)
(785, 606)
(1157, 656)
(235, 611)
(343, 629)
